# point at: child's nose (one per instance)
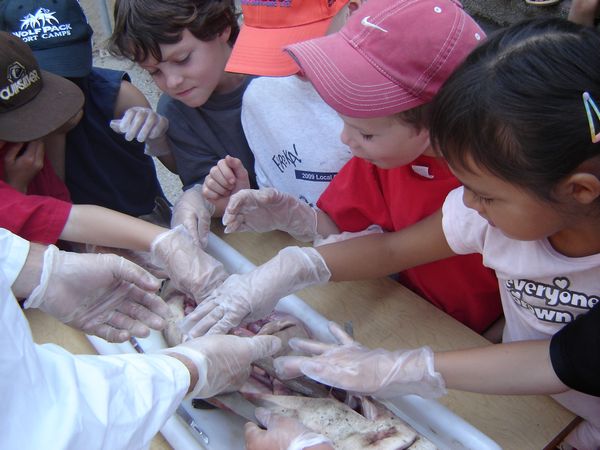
(345, 137)
(470, 201)
(173, 79)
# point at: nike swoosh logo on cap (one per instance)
(365, 22)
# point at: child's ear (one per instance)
(225, 35)
(582, 187)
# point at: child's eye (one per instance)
(485, 200)
(366, 137)
(184, 60)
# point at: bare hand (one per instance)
(22, 162)
(282, 433)
(225, 179)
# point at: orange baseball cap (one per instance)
(270, 25)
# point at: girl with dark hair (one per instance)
(519, 124)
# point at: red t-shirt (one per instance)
(362, 194)
(41, 215)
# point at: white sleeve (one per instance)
(464, 228)
(54, 398)
(13, 254)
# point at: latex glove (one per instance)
(344, 236)
(350, 366)
(253, 295)
(226, 178)
(102, 294)
(282, 433)
(141, 258)
(190, 269)
(194, 212)
(268, 209)
(144, 125)
(224, 361)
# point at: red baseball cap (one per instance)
(391, 56)
(270, 25)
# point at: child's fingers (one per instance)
(135, 131)
(215, 182)
(221, 174)
(226, 167)
(341, 336)
(212, 190)
(32, 155)
(147, 125)
(125, 121)
(36, 148)
(130, 123)
(207, 192)
(254, 436)
(12, 151)
(36, 151)
(236, 166)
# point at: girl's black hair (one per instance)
(142, 25)
(515, 108)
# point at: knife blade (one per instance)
(189, 420)
(236, 403)
(196, 431)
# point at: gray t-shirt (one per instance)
(200, 137)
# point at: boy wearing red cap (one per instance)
(379, 72)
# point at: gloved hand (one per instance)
(268, 209)
(190, 269)
(282, 433)
(253, 295)
(355, 368)
(144, 125)
(344, 236)
(193, 211)
(102, 294)
(223, 361)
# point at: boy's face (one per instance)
(191, 69)
(386, 142)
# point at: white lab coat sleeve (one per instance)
(13, 253)
(54, 399)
